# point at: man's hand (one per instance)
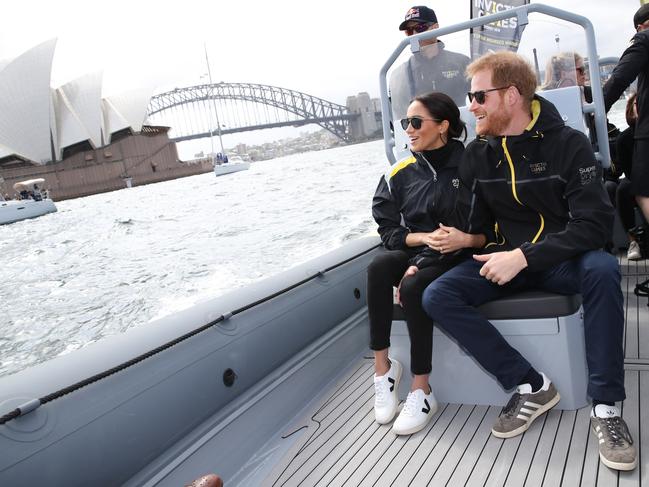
(410, 271)
(502, 267)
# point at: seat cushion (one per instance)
(524, 305)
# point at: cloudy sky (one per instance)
(329, 49)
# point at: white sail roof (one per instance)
(131, 106)
(5, 151)
(78, 111)
(36, 119)
(26, 104)
(113, 120)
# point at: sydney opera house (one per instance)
(77, 140)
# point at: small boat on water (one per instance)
(226, 165)
(34, 202)
(271, 384)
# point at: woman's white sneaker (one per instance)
(634, 251)
(416, 413)
(386, 401)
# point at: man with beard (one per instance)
(538, 181)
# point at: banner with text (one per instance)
(497, 36)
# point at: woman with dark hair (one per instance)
(625, 201)
(416, 209)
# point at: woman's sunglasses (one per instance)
(416, 122)
(481, 96)
(417, 29)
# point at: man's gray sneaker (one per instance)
(524, 407)
(616, 448)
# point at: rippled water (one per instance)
(106, 263)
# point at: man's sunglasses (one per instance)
(481, 96)
(416, 122)
(417, 29)
(581, 69)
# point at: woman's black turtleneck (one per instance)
(438, 158)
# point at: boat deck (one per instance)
(340, 444)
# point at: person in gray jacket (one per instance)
(433, 68)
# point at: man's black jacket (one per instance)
(543, 189)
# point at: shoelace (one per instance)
(618, 432)
(511, 407)
(410, 406)
(380, 391)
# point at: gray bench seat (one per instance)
(525, 305)
(547, 329)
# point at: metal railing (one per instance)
(521, 13)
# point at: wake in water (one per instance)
(109, 262)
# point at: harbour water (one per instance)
(108, 262)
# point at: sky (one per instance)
(328, 49)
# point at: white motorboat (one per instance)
(230, 165)
(34, 202)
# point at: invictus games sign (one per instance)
(497, 36)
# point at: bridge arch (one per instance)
(302, 108)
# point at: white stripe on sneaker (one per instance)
(532, 404)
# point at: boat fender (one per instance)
(21, 410)
(227, 316)
(28, 407)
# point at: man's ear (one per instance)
(512, 96)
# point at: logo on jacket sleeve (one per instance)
(455, 182)
(587, 174)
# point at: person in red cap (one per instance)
(633, 64)
(433, 68)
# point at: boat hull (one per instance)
(108, 432)
(230, 167)
(16, 210)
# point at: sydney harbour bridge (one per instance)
(195, 112)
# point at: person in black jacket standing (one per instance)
(415, 208)
(539, 181)
(624, 197)
(633, 64)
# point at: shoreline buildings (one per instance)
(83, 143)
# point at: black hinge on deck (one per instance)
(642, 289)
